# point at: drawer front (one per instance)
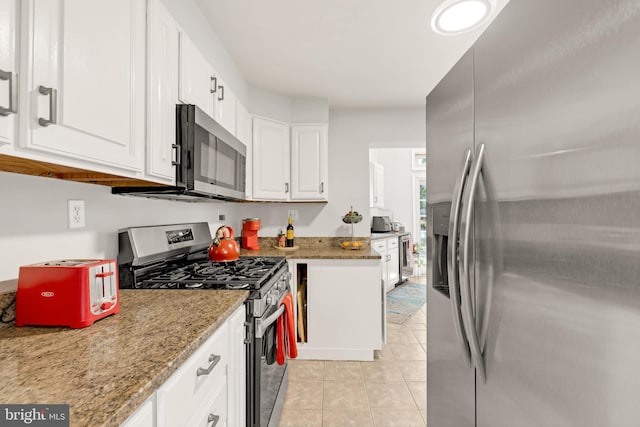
(216, 413)
(190, 387)
(380, 246)
(392, 243)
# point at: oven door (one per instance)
(268, 380)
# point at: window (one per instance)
(418, 160)
(420, 222)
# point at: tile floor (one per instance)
(388, 391)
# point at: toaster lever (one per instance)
(104, 274)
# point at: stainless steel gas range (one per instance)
(175, 257)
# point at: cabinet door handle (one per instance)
(322, 187)
(214, 84)
(214, 359)
(13, 93)
(53, 105)
(286, 187)
(213, 419)
(221, 95)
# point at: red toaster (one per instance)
(72, 293)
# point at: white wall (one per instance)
(33, 219)
(398, 184)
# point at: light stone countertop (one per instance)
(105, 371)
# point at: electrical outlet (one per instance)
(293, 213)
(76, 213)
(221, 215)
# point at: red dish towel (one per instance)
(286, 334)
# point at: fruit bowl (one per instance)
(352, 245)
(352, 218)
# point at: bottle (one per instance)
(281, 239)
(289, 240)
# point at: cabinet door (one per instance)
(380, 246)
(8, 71)
(309, 162)
(393, 266)
(87, 77)
(378, 178)
(271, 164)
(237, 369)
(225, 108)
(334, 321)
(144, 416)
(162, 94)
(198, 80)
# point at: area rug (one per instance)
(405, 300)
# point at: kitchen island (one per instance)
(105, 371)
(339, 299)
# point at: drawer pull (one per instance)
(213, 419)
(214, 359)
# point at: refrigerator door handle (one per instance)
(452, 257)
(465, 262)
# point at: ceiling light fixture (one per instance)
(458, 16)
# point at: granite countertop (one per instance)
(105, 371)
(314, 247)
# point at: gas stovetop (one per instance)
(245, 273)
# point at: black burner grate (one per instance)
(245, 273)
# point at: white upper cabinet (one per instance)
(162, 92)
(289, 162)
(309, 169)
(86, 80)
(201, 85)
(198, 79)
(376, 185)
(8, 71)
(271, 160)
(226, 107)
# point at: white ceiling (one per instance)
(356, 53)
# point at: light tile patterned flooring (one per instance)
(388, 391)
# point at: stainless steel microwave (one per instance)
(210, 162)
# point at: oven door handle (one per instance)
(263, 324)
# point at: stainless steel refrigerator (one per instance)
(533, 192)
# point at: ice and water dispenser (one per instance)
(440, 221)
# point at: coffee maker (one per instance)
(250, 227)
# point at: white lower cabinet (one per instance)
(144, 416)
(390, 265)
(339, 306)
(208, 389)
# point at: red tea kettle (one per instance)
(224, 247)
